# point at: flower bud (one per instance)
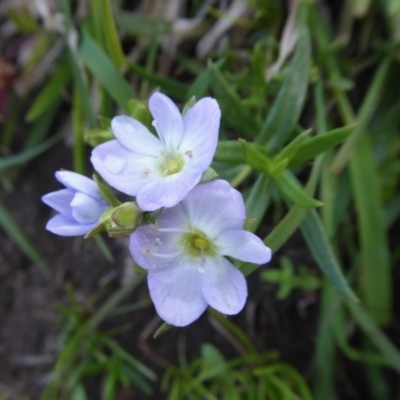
(126, 215)
(118, 221)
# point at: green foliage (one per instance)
(87, 351)
(253, 376)
(288, 280)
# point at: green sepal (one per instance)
(249, 224)
(100, 227)
(104, 122)
(106, 191)
(115, 231)
(137, 109)
(139, 269)
(94, 137)
(151, 217)
(209, 175)
(161, 330)
(189, 104)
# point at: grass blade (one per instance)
(318, 243)
(16, 234)
(101, 66)
(375, 258)
(29, 154)
(285, 112)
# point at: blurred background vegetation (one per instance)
(311, 89)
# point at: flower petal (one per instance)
(215, 207)
(134, 136)
(60, 200)
(151, 248)
(126, 171)
(79, 183)
(224, 286)
(174, 219)
(66, 226)
(168, 120)
(244, 246)
(176, 293)
(85, 209)
(200, 137)
(167, 191)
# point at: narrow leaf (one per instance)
(320, 143)
(50, 93)
(292, 191)
(235, 113)
(18, 236)
(285, 112)
(318, 243)
(101, 66)
(376, 276)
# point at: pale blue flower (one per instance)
(160, 171)
(184, 254)
(79, 205)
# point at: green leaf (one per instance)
(106, 191)
(293, 147)
(212, 360)
(169, 85)
(29, 154)
(22, 18)
(41, 127)
(230, 151)
(50, 93)
(136, 24)
(139, 110)
(234, 112)
(111, 37)
(376, 281)
(200, 85)
(318, 243)
(101, 66)
(278, 168)
(94, 137)
(292, 191)
(18, 236)
(78, 71)
(285, 112)
(365, 114)
(163, 328)
(262, 189)
(319, 144)
(376, 336)
(255, 158)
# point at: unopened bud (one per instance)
(118, 221)
(126, 215)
